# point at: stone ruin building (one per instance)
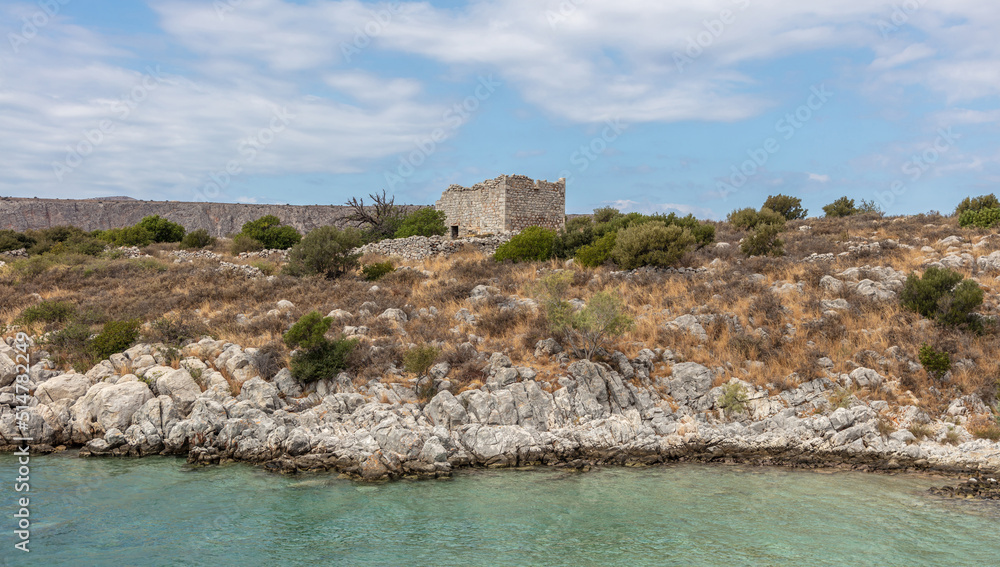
(509, 202)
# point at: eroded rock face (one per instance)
(106, 406)
(179, 386)
(65, 387)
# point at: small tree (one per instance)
(327, 251)
(936, 363)
(842, 207)
(318, 357)
(589, 329)
(763, 241)
(380, 220)
(578, 232)
(651, 244)
(269, 231)
(982, 218)
(598, 252)
(162, 229)
(749, 219)
(127, 236)
(977, 204)
(786, 206)
(422, 222)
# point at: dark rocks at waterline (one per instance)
(972, 489)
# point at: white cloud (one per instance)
(820, 178)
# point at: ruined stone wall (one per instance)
(504, 204)
(535, 203)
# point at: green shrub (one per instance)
(318, 357)
(606, 214)
(11, 240)
(326, 251)
(577, 233)
(422, 222)
(734, 398)
(870, 208)
(786, 206)
(48, 312)
(80, 244)
(373, 272)
(532, 243)
(245, 243)
(127, 236)
(162, 229)
(418, 360)
(597, 253)
(842, 207)
(942, 295)
(763, 241)
(651, 244)
(749, 219)
(983, 218)
(589, 329)
(72, 338)
(197, 239)
(977, 204)
(703, 233)
(269, 231)
(936, 363)
(116, 336)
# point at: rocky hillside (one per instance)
(219, 219)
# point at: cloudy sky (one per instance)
(689, 105)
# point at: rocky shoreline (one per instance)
(149, 401)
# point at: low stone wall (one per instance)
(420, 247)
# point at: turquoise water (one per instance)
(158, 511)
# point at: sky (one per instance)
(691, 106)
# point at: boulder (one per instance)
(107, 406)
(181, 388)
(261, 395)
(689, 381)
(444, 409)
(65, 387)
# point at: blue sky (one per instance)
(691, 106)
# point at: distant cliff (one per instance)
(219, 219)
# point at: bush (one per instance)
(786, 206)
(749, 219)
(597, 253)
(842, 207)
(422, 222)
(245, 243)
(127, 236)
(577, 233)
(418, 360)
(532, 243)
(763, 241)
(651, 244)
(936, 363)
(162, 229)
(80, 244)
(269, 231)
(977, 204)
(983, 218)
(373, 272)
(116, 336)
(870, 208)
(606, 214)
(197, 239)
(319, 357)
(71, 338)
(11, 240)
(984, 427)
(589, 329)
(942, 295)
(48, 312)
(326, 251)
(733, 399)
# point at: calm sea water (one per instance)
(158, 511)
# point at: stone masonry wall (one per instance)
(506, 203)
(535, 203)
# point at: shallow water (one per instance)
(158, 511)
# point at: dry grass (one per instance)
(771, 339)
